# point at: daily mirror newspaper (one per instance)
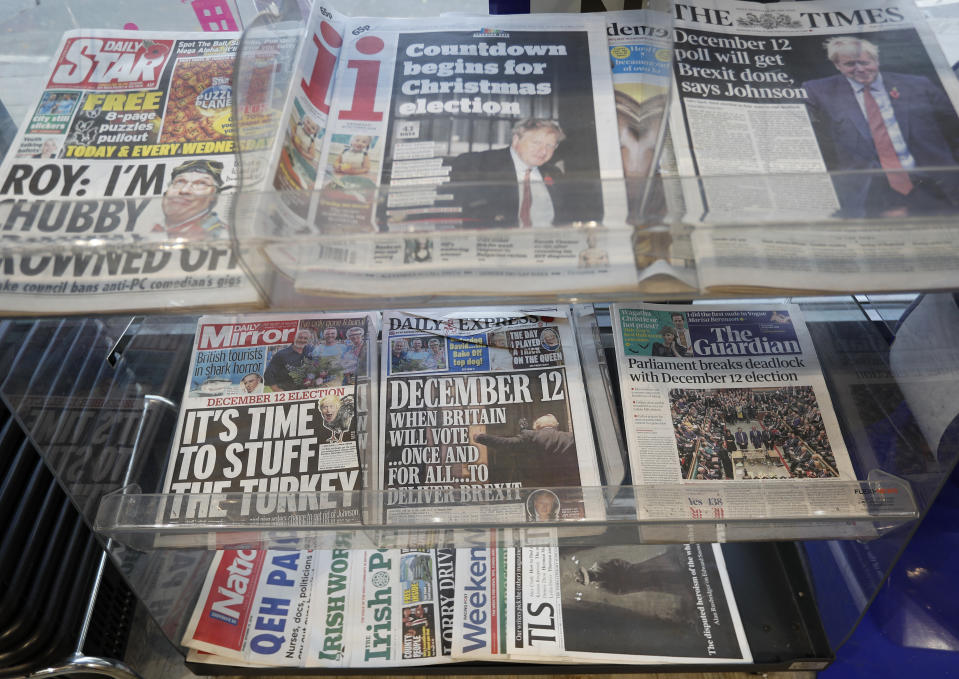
(716, 397)
(812, 110)
(276, 404)
(484, 417)
(128, 150)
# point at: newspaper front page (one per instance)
(276, 404)
(827, 110)
(648, 604)
(130, 144)
(716, 397)
(484, 417)
(422, 128)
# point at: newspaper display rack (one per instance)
(103, 425)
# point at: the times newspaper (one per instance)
(484, 417)
(407, 126)
(797, 86)
(789, 82)
(279, 408)
(646, 604)
(337, 607)
(717, 397)
(128, 149)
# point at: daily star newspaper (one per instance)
(646, 604)
(276, 404)
(797, 86)
(337, 607)
(716, 397)
(484, 417)
(407, 127)
(129, 147)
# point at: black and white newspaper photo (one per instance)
(484, 417)
(718, 397)
(646, 604)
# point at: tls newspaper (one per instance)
(806, 111)
(273, 405)
(484, 417)
(715, 397)
(646, 604)
(129, 146)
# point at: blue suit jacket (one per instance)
(925, 116)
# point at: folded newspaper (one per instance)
(343, 608)
(337, 607)
(280, 406)
(498, 131)
(484, 417)
(116, 192)
(717, 397)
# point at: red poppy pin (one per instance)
(548, 180)
(894, 93)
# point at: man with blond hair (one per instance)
(895, 124)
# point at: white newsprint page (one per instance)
(716, 397)
(806, 111)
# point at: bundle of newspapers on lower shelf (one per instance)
(341, 607)
(480, 420)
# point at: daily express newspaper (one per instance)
(484, 417)
(276, 404)
(128, 146)
(812, 110)
(408, 127)
(715, 397)
(337, 607)
(608, 604)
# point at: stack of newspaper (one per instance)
(339, 607)
(487, 156)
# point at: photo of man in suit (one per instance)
(869, 119)
(518, 185)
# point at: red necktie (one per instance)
(524, 218)
(888, 157)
